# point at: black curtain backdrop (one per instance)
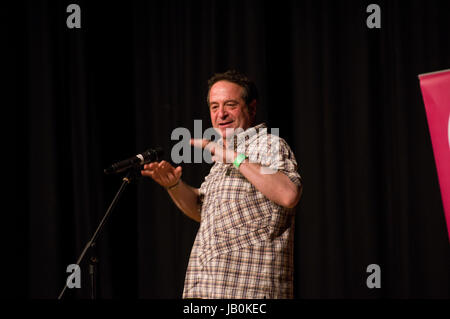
(345, 97)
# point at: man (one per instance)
(244, 246)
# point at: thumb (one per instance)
(178, 171)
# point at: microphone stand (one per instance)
(132, 174)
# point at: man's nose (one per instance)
(222, 112)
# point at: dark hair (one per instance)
(250, 92)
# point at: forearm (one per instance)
(277, 186)
(186, 199)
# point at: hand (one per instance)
(163, 173)
(219, 153)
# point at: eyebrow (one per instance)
(226, 101)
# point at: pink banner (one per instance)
(436, 96)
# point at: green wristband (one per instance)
(239, 159)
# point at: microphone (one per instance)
(148, 156)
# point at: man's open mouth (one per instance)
(225, 123)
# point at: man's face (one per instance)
(228, 109)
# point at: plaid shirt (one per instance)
(244, 246)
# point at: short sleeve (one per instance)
(276, 154)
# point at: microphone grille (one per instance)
(153, 154)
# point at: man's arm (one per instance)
(277, 186)
(186, 199)
(184, 196)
